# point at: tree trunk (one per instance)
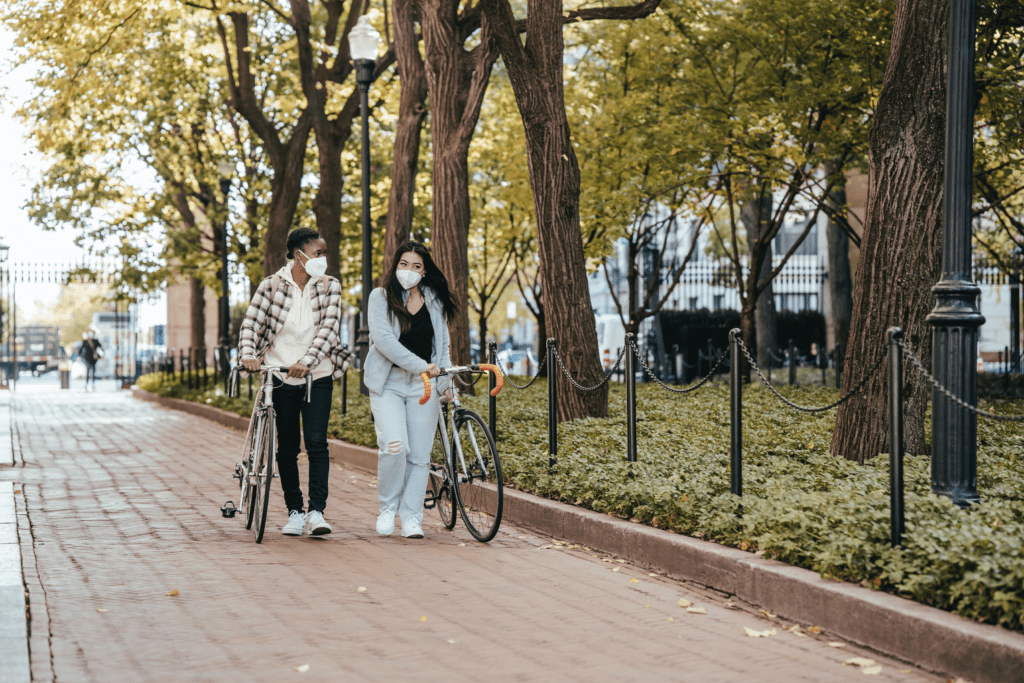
(411, 113)
(197, 310)
(756, 215)
(901, 255)
(456, 81)
(535, 72)
(840, 281)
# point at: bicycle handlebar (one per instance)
(233, 384)
(484, 367)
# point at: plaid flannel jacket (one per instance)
(265, 318)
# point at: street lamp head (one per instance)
(363, 40)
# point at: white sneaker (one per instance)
(386, 523)
(412, 530)
(296, 522)
(317, 525)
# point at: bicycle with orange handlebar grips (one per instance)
(467, 473)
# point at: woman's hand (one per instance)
(298, 371)
(433, 370)
(250, 364)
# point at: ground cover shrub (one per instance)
(800, 505)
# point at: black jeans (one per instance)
(289, 404)
(90, 373)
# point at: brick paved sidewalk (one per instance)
(123, 501)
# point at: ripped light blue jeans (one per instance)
(405, 435)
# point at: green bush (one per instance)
(800, 505)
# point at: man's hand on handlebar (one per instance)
(433, 370)
(298, 371)
(250, 364)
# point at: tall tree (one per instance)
(535, 72)
(900, 257)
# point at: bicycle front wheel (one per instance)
(477, 477)
(245, 467)
(263, 474)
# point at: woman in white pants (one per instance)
(408, 319)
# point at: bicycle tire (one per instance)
(264, 474)
(479, 506)
(244, 486)
(441, 492)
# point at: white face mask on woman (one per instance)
(408, 278)
(315, 267)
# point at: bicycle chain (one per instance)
(599, 384)
(704, 381)
(948, 394)
(540, 367)
(830, 406)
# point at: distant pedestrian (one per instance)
(294, 321)
(408, 319)
(90, 351)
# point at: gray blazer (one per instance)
(386, 351)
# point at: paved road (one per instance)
(122, 500)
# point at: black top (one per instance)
(89, 350)
(420, 336)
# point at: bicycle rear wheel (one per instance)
(263, 474)
(477, 476)
(245, 467)
(440, 485)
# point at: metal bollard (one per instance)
(895, 436)
(677, 364)
(190, 367)
(492, 381)
(630, 402)
(792, 363)
(735, 413)
(552, 405)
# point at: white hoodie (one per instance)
(298, 332)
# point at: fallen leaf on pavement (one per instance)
(451, 642)
(871, 670)
(462, 545)
(606, 559)
(836, 644)
(652, 575)
(859, 661)
(768, 614)
(423, 618)
(795, 630)
(814, 629)
(616, 569)
(696, 610)
(646, 606)
(671, 619)
(621, 561)
(634, 580)
(302, 669)
(758, 634)
(731, 605)
(100, 610)
(683, 602)
(362, 589)
(173, 592)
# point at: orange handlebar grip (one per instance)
(499, 381)
(425, 376)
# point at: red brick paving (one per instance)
(123, 499)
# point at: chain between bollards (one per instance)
(630, 403)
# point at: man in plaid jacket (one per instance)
(294, 321)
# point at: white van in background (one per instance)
(611, 336)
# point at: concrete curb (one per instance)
(930, 638)
(14, 659)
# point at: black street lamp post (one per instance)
(956, 317)
(363, 45)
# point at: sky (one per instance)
(19, 165)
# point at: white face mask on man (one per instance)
(408, 278)
(315, 267)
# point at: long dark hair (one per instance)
(432, 277)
